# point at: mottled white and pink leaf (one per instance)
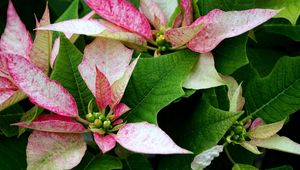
(76, 26)
(119, 86)
(15, 39)
(147, 138)
(53, 123)
(109, 56)
(103, 90)
(105, 143)
(204, 159)
(182, 35)
(122, 13)
(150, 9)
(48, 150)
(42, 91)
(120, 109)
(220, 25)
(187, 8)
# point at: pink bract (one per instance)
(54, 123)
(103, 90)
(147, 138)
(42, 91)
(105, 143)
(220, 25)
(122, 13)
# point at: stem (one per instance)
(178, 48)
(228, 155)
(150, 48)
(152, 42)
(79, 119)
(247, 118)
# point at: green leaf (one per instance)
(136, 3)
(227, 5)
(231, 54)
(283, 27)
(263, 59)
(70, 13)
(137, 162)
(105, 162)
(243, 167)
(278, 95)
(9, 116)
(290, 9)
(59, 6)
(66, 72)
(155, 83)
(13, 153)
(202, 130)
(285, 167)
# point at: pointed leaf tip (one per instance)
(221, 25)
(15, 39)
(147, 138)
(42, 91)
(122, 13)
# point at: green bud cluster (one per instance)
(99, 121)
(237, 133)
(162, 43)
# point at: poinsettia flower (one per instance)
(106, 70)
(201, 35)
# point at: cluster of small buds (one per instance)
(162, 43)
(237, 133)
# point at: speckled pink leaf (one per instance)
(187, 8)
(119, 86)
(53, 123)
(122, 13)
(147, 138)
(178, 21)
(6, 84)
(150, 9)
(182, 35)
(120, 109)
(76, 26)
(48, 150)
(220, 25)
(42, 91)
(15, 39)
(111, 58)
(105, 143)
(103, 90)
(3, 65)
(40, 53)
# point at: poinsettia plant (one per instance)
(82, 84)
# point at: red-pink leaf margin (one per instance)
(6, 84)
(147, 138)
(15, 39)
(105, 143)
(53, 123)
(48, 150)
(256, 122)
(122, 13)
(220, 25)
(42, 91)
(103, 90)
